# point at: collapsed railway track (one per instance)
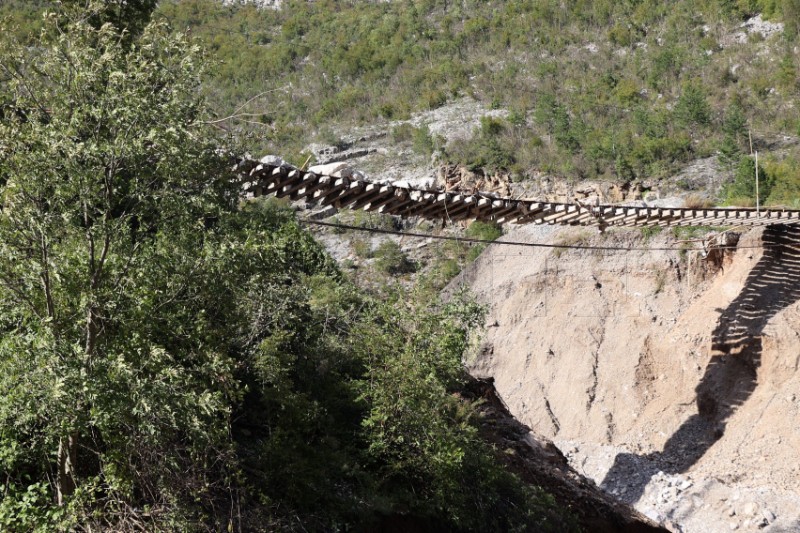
(352, 192)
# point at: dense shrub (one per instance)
(390, 259)
(742, 190)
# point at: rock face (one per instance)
(460, 178)
(754, 25)
(670, 381)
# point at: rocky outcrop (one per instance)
(755, 25)
(460, 178)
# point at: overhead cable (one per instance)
(524, 244)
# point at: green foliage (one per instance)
(420, 137)
(362, 248)
(130, 16)
(791, 18)
(424, 432)
(648, 232)
(626, 91)
(785, 179)
(387, 60)
(691, 232)
(484, 231)
(742, 190)
(390, 259)
(172, 360)
(647, 153)
(215, 379)
(103, 166)
(447, 269)
(623, 35)
(735, 124)
(664, 67)
(316, 63)
(787, 74)
(489, 148)
(369, 220)
(692, 107)
(736, 135)
(29, 509)
(487, 231)
(23, 18)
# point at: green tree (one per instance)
(130, 16)
(692, 107)
(735, 124)
(421, 432)
(787, 73)
(735, 135)
(107, 184)
(743, 187)
(173, 360)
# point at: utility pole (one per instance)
(758, 202)
(758, 205)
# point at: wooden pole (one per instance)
(758, 205)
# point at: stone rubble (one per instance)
(685, 505)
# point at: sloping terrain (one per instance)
(538, 461)
(670, 380)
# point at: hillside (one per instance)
(616, 91)
(611, 90)
(173, 358)
(669, 380)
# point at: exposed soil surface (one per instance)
(541, 463)
(669, 380)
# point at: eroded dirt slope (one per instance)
(670, 381)
(539, 462)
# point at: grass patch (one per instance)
(695, 201)
(648, 232)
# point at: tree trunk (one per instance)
(65, 485)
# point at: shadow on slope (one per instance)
(731, 375)
(540, 463)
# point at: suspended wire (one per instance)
(525, 244)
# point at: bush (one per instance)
(785, 182)
(692, 107)
(370, 220)
(627, 92)
(422, 141)
(488, 149)
(649, 153)
(742, 190)
(390, 259)
(362, 248)
(486, 231)
(648, 232)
